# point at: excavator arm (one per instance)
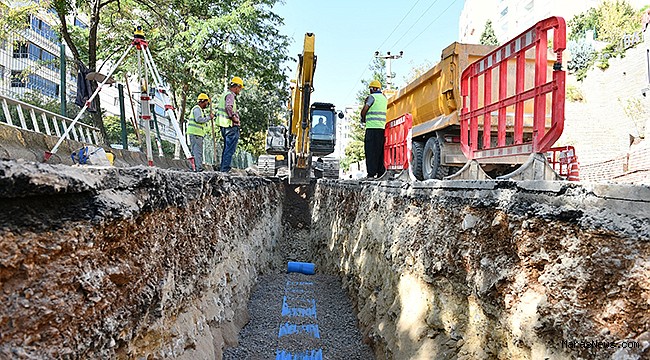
(300, 153)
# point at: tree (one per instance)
(579, 24)
(202, 49)
(65, 8)
(488, 37)
(616, 19)
(14, 17)
(417, 71)
(197, 46)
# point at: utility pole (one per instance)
(389, 72)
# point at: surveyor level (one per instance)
(142, 46)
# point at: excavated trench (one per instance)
(147, 263)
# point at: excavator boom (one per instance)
(300, 154)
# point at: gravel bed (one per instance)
(337, 326)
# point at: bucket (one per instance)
(301, 267)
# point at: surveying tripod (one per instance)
(144, 58)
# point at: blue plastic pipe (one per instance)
(301, 267)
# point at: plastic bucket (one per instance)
(301, 267)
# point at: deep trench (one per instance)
(158, 264)
(331, 332)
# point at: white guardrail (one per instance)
(41, 119)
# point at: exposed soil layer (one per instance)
(129, 263)
(491, 270)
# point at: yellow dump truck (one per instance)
(434, 102)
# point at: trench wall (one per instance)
(129, 263)
(490, 270)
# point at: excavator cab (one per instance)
(322, 135)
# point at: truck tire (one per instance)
(431, 164)
(417, 152)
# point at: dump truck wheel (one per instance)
(431, 165)
(417, 152)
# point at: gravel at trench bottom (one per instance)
(293, 295)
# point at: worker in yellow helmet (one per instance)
(196, 128)
(373, 115)
(229, 122)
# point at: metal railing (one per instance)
(44, 121)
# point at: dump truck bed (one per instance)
(434, 98)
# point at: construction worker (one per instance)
(196, 128)
(373, 115)
(229, 122)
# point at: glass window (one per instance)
(2, 72)
(159, 110)
(322, 122)
(17, 79)
(80, 23)
(20, 50)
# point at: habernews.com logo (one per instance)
(593, 344)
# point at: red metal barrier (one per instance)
(565, 162)
(397, 145)
(510, 139)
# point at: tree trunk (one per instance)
(98, 122)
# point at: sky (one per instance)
(348, 32)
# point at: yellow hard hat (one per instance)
(203, 96)
(237, 80)
(375, 84)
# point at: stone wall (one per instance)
(129, 263)
(613, 109)
(486, 270)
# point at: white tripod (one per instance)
(142, 46)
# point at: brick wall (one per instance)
(633, 167)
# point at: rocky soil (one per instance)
(487, 270)
(129, 263)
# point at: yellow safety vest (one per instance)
(222, 116)
(193, 127)
(376, 115)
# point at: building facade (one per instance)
(30, 67)
(344, 132)
(30, 61)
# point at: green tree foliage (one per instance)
(197, 46)
(582, 57)
(488, 37)
(610, 21)
(114, 131)
(579, 24)
(616, 19)
(205, 46)
(354, 152)
(14, 16)
(418, 70)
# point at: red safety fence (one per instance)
(397, 145)
(565, 162)
(507, 61)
